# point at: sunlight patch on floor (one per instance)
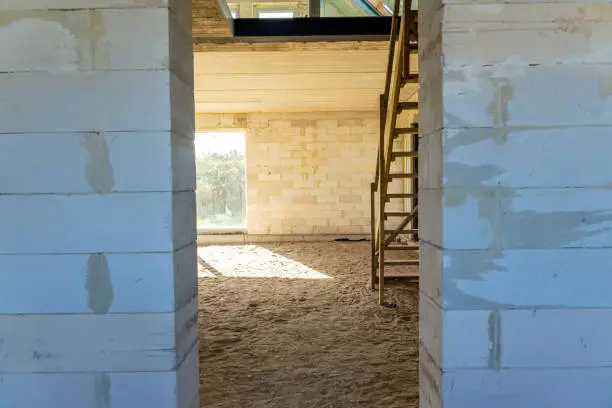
(251, 261)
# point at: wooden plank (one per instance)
(402, 248)
(391, 111)
(406, 130)
(289, 81)
(401, 231)
(401, 274)
(403, 175)
(292, 79)
(402, 106)
(358, 59)
(364, 61)
(314, 8)
(386, 148)
(373, 235)
(401, 195)
(396, 214)
(391, 53)
(412, 248)
(402, 262)
(404, 154)
(283, 101)
(237, 46)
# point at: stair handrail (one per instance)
(389, 101)
(385, 96)
(391, 107)
(388, 106)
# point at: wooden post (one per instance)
(414, 142)
(373, 234)
(406, 19)
(314, 8)
(392, 42)
(382, 192)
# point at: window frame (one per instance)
(226, 230)
(275, 8)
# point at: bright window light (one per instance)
(276, 14)
(221, 181)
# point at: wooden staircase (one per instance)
(397, 144)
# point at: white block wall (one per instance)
(98, 281)
(516, 207)
(308, 173)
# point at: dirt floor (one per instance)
(297, 326)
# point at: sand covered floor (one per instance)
(296, 326)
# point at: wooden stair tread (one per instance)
(397, 214)
(402, 106)
(399, 248)
(401, 262)
(393, 214)
(404, 154)
(403, 232)
(402, 195)
(402, 248)
(405, 131)
(404, 274)
(403, 175)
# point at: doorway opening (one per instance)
(221, 181)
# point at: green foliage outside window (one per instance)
(220, 190)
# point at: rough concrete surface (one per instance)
(515, 203)
(97, 288)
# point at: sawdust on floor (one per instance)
(297, 326)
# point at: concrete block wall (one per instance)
(515, 199)
(307, 173)
(98, 274)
